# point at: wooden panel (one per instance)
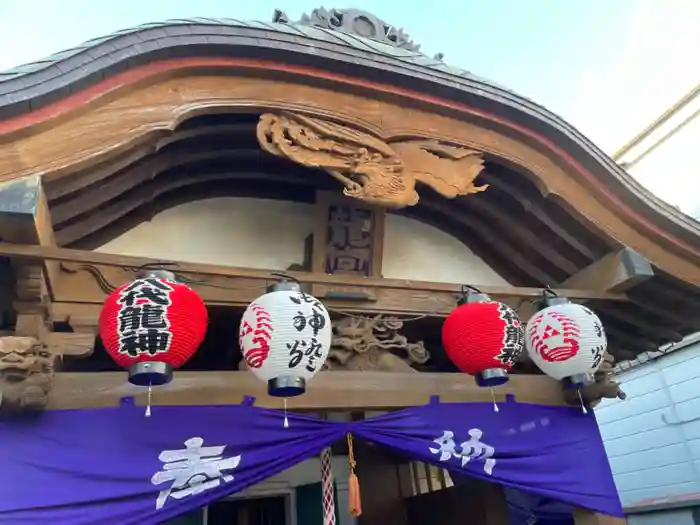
(348, 236)
(328, 391)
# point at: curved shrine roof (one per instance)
(357, 44)
(330, 39)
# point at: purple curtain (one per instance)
(113, 465)
(528, 509)
(555, 452)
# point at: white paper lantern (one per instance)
(566, 341)
(285, 337)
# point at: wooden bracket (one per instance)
(616, 272)
(25, 219)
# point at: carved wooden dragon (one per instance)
(361, 343)
(374, 344)
(605, 386)
(369, 168)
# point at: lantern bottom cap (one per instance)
(492, 377)
(286, 386)
(578, 381)
(150, 373)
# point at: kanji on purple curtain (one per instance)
(115, 466)
(555, 452)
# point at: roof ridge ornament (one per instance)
(354, 22)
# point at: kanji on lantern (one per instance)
(152, 320)
(285, 337)
(483, 338)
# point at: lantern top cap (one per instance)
(286, 284)
(471, 294)
(550, 298)
(155, 271)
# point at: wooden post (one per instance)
(25, 219)
(33, 349)
(589, 517)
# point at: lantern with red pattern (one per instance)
(151, 326)
(483, 338)
(566, 341)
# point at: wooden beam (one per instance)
(69, 344)
(94, 260)
(616, 272)
(337, 391)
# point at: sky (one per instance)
(609, 67)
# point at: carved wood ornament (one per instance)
(371, 344)
(605, 386)
(26, 373)
(370, 169)
(362, 343)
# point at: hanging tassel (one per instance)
(148, 403)
(354, 501)
(327, 487)
(286, 420)
(583, 405)
(493, 398)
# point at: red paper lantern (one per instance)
(152, 326)
(483, 338)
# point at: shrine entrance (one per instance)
(257, 511)
(292, 497)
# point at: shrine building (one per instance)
(384, 181)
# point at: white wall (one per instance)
(252, 233)
(414, 250)
(269, 234)
(653, 438)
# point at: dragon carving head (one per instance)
(379, 181)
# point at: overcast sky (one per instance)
(607, 66)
